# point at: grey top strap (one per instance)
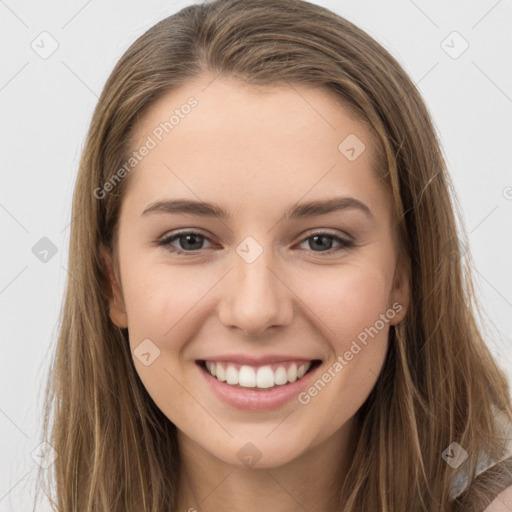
(460, 481)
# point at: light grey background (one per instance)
(47, 105)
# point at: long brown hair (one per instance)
(439, 384)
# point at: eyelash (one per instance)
(165, 242)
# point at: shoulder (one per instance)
(502, 502)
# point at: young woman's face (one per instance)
(274, 284)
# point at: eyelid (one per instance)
(174, 235)
(346, 240)
(185, 231)
(303, 236)
(325, 231)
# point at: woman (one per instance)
(268, 307)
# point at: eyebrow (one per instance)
(297, 211)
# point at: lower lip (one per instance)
(257, 400)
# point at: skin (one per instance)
(256, 151)
(502, 502)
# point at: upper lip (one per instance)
(256, 361)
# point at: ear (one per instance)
(400, 295)
(117, 309)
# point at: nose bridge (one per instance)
(255, 297)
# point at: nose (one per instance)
(255, 297)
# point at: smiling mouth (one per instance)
(263, 377)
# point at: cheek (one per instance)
(357, 313)
(162, 304)
(348, 300)
(158, 299)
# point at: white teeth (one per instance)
(262, 377)
(220, 372)
(280, 376)
(292, 372)
(265, 377)
(231, 375)
(247, 377)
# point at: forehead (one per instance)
(222, 135)
(229, 103)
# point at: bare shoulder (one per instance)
(502, 502)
